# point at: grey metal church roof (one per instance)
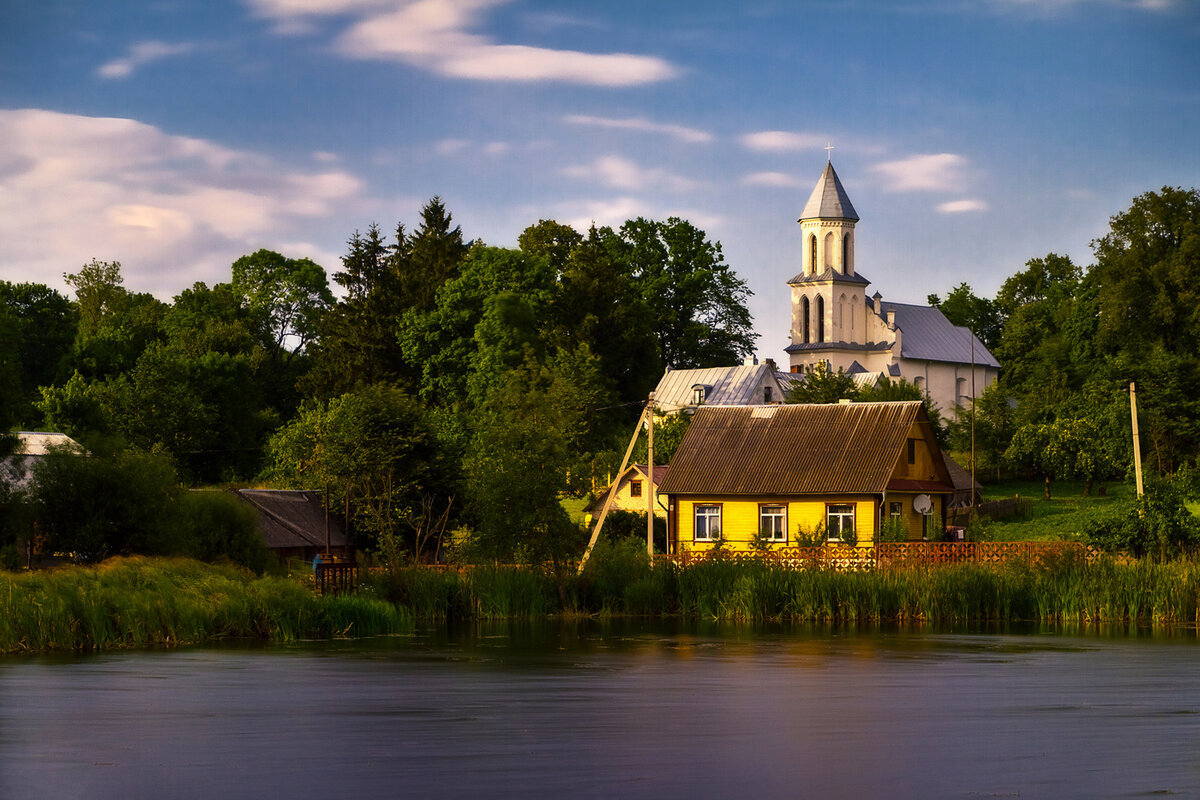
(929, 336)
(829, 199)
(830, 275)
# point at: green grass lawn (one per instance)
(574, 507)
(1059, 519)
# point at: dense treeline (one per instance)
(444, 385)
(1070, 340)
(448, 384)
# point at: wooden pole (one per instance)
(972, 420)
(612, 492)
(1137, 446)
(650, 477)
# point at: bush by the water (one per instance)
(138, 602)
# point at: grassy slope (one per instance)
(1060, 518)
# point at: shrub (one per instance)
(216, 525)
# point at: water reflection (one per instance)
(617, 708)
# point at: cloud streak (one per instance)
(435, 35)
(642, 125)
(139, 55)
(939, 172)
(616, 172)
(781, 141)
(172, 209)
(962, 206)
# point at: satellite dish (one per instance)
(922, 504)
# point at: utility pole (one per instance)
(612, 492)
(650, 476)
(1137, 445)
(972, 420)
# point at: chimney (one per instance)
(770, 362)
(750, 361)
(891, 317)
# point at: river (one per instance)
(615, 709)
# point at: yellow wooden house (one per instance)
(792, 474)
(632, 486)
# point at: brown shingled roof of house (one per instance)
(290, 519)
(850, 448)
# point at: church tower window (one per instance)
(846, 266)
(829, 250)
(820, 318)
(812, 254)
(805, 319)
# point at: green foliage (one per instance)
(822, 385)
(155, 602)
(289, 293)
(668, 433)
(216, 525)
(375, 443)
(1157, 525)
(962, 307)
(892, 530)
(96, 507)
(37, 331)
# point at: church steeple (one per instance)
(829, 199)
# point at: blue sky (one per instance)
(972, 135)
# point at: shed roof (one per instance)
(829, 199)
(849, 448)
(723, 385)
(293, 518)
(39, 443)
(929, 336)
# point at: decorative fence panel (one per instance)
(902, 555)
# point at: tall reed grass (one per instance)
(138, 602)
(620, 581)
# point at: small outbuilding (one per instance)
(294, 523)
(783, 474)
(631, 492)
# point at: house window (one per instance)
(708, 523)
(698, 395)
(929, 526)
(912, 451)
(772, 522)
(895, 510)
(635, 488)
(766, 394)
(839, 521)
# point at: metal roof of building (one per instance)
(929, 336)
(829, 199)
(290, 519)
(39, 443)
(844, 448)
(723, 385)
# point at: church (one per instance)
(835, 321)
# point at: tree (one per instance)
(697, 303)
(963, 307)
(1065, 448)
(37, 330)
(886, 390)
(375, 444)
(995, 424)
(1148, 271)
(822, 385)
(432, 256)
(290, 293)
(115, 325)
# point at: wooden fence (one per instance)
(903, 555)
(992, 509)
(336, 578)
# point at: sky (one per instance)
(174, 136)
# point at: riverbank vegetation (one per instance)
(139, 602)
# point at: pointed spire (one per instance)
(829, 199)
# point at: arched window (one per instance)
(829, 250)
(820, 318)
(962, 392)
(812, 254)
(840, 328)
(919, 382)
(846, 267)
(805, 319)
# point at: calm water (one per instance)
(615, 710)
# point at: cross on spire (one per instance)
(828, 148)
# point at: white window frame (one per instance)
(777, 514)
(839, 514)
(709, 512)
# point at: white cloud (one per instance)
(961, 206)
(433, 35)
(621, 173)
(683, 134)
(770, 141)
(496, 148)
(140, 54)
(449, 147)
(171, 209)
(616, 211)
(771, 179)
(923, 173)
(1050, 6)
